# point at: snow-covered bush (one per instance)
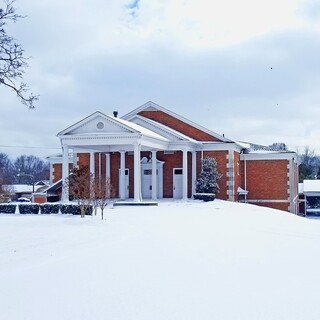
(207, 183)
(49, 208)
(7, 208)
(29, 208)
(204, 196)
(74, 209)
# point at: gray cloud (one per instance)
(84, 60)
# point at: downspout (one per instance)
(245, 177)
(201, 156)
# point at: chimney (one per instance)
(115, 113)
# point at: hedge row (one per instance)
(46, 208)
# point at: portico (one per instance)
(122, 145)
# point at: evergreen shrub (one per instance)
(49, 208)
(8, 208)
(74, 209)
(207, 183)
(29, 208)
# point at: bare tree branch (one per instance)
(12, 60)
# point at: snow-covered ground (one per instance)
(180, 260)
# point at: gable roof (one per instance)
(162, 129)
(151, 106)
(113, 125)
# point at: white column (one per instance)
(108, 173)
(75, 159)
(65, 174)
(137, 173)
(185, 175)
(154, 175)
(194, 171)
(122, 177)
(107, 166)
(100, 166)
(92, 166)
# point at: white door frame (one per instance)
(148, 166)
(126, 170)
(175, 193)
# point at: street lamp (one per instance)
(21, 174)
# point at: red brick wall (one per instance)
(178, 125)
(267, 179)
(57, 171)
(170, 161)
(39, 199)
(84, 160)
(114, 172)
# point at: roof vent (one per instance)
(115, 113)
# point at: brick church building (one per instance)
(154, 153)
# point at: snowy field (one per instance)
(180, 260)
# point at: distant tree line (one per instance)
(25, 169)
(309, 167)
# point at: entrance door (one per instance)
(126, 172)
(146, 185)
(177, 183)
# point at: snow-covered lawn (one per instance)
(180, 260)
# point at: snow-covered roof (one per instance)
(311, 186)
(142, 130)
(151, 106)
(20, 188)
(164, 128)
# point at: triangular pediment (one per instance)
(97, 123)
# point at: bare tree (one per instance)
(7, 172)
(12, 60)
(6, 192)
(103, 192)
(31, 165)
(80, 184)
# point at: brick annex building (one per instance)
(154, 153)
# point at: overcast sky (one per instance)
(248, 69)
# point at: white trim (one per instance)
(154, 190)
(137, 172)
(173, 185)
(122, 175)
(185, 174)
(194, 171)
(65, 173)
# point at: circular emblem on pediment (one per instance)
(100, 125)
